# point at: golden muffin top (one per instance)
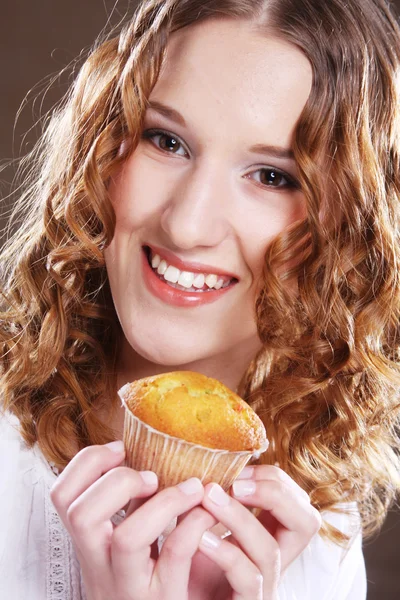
(197, 409)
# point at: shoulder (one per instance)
(25, 479)
(8, 425)
(21, 468)
(12, 450)
(327, 570)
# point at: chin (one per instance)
(168, 355)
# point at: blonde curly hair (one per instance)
(326, 382)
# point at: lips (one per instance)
(191, 281)
(183, 265)
(171, 292)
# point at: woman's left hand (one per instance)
(260, 549)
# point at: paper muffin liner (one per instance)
(175, 460)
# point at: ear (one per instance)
(123, 147)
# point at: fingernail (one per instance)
(209, 540)
(243, 488)
(190, 486)
(218, 496)
(246, 473)
(149, 477)
(117, 447)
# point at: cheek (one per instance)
(260, 228)
(136, 194)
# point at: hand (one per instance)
(117, 562)
(261, 548)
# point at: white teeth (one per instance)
(199, 281)
(211, 280)
(172, 274)
(162, 267)
(155, 261)
(186, 279)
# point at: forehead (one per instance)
(226, 72)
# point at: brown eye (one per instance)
(169, 143)
(271, 178)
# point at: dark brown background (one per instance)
(39, 38)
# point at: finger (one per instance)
(285, 504)
(242, 574)
(88, 517)
(299, 520)
(83, 470)
(132, 539)
(271, 473)
(175, 560)
(259, 546)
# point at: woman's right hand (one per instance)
(116, 562)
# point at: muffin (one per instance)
(184, 424)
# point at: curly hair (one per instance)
(326, 382)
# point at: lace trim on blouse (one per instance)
(63, 574)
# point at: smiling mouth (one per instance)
(186, 281)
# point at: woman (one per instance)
(219, 193)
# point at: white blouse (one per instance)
(38, 562)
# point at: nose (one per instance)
(195, 214)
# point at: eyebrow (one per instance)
(168, 112)
(174, 115)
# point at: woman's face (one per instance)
(211, 182)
